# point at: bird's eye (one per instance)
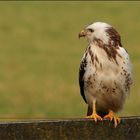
(91, 30)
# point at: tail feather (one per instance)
(89, 111)
(100, 113)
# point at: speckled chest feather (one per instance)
(107, 75)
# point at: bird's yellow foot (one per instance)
(94, 116)
(113, 117)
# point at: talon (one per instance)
(95, 116)
(112, 116)
(116, 121)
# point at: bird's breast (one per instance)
(105, 79)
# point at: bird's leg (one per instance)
(94, 114)
(111, 115)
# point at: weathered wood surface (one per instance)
(71, 129)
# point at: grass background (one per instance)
(40, 54)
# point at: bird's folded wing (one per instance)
(82, 70)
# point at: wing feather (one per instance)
(82, 70)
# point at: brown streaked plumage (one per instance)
(105, 72)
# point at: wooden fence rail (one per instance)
(71, 129)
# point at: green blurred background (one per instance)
(40, 54)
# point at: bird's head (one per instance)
(101, 31)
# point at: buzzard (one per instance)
(105, 72)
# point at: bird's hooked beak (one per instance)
(83, 33)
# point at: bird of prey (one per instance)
(105, 72)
